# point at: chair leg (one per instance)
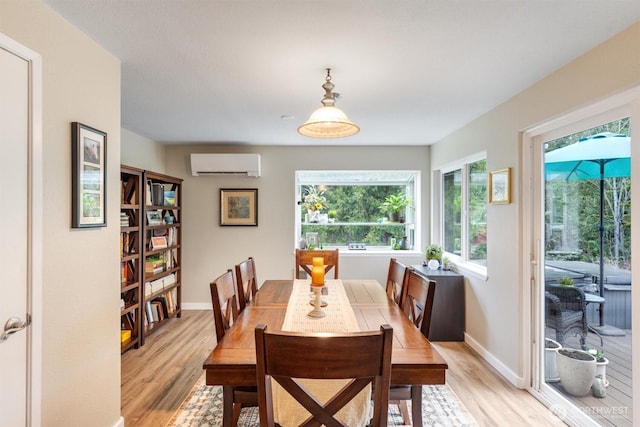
(227, 406)
(237, 408)
(416, 405)
(404, 411)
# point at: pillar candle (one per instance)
(317, 261)
(317, 275)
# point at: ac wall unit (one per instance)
(225, 164)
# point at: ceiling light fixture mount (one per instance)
(328, 121)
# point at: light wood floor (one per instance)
(157, 377)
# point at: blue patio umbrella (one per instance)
(600, 156)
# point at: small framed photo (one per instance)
(239, 206)
(88, 187)
(154, 217)
(159, 242)
(312, 240)
(500, 186)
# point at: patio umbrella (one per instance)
(600, 156)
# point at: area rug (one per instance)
(203, 407)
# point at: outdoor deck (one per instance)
(615, 409)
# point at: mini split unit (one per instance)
(203, 164)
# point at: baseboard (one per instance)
(120, 422)
(197, 306)
(511, 376)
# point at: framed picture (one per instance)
(154, 217)
(500, 186)
(89, 165)
(239, 206)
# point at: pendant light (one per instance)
(328, 121)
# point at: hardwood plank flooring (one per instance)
(158, 376)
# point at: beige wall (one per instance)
(494, 307)
(142, 153)
(209, 249)
(80, 347)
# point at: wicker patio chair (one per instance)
(566, 312)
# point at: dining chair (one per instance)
(395, 280)
(247, 282)
(304, 260)
(225, 313)
(288, 356)
(417, 304)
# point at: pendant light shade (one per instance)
(328, 121)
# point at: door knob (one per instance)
(13, 325)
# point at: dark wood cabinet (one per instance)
(448, 316)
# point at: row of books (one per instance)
(161, 307)
(158, 196)
(127, 272)
(124, 219)
(128, 243)
(160, 284)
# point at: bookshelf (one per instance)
(161, 251)
(130, 257)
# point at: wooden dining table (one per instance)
(414, 360)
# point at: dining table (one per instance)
(414, 360)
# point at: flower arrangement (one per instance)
(314, 199)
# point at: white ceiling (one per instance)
(410, 72)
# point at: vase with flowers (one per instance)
(314, 201)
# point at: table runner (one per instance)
(340, 318)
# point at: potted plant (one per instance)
(601, 364)
(445, 262)
(577, 369)
(433, 251)
(550, 365)
(395, 205)
(565, 281)
(332, 215)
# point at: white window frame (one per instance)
(460, 261)
(413, 227)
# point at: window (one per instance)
(347, 208)
(464, 211)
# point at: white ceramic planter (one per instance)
(576, 375)
(550, 365)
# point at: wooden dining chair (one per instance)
(395, 280)
(417, 304)
(225, 313)
(288, 356)
(247, 282)
(304, 259)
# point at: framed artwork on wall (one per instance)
(500, 186)
(89, 180)
(239, 206)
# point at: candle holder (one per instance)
(317, 303)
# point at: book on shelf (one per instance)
(125, 334)
(170, 198)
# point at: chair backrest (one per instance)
(395, 280)
(225, 302)
(287, 356)
(571, 297)
(247, 282)
(417, 302)
(304, 259)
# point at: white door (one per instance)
(17, 243)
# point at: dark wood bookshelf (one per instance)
(156, 188)
(130, 255)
